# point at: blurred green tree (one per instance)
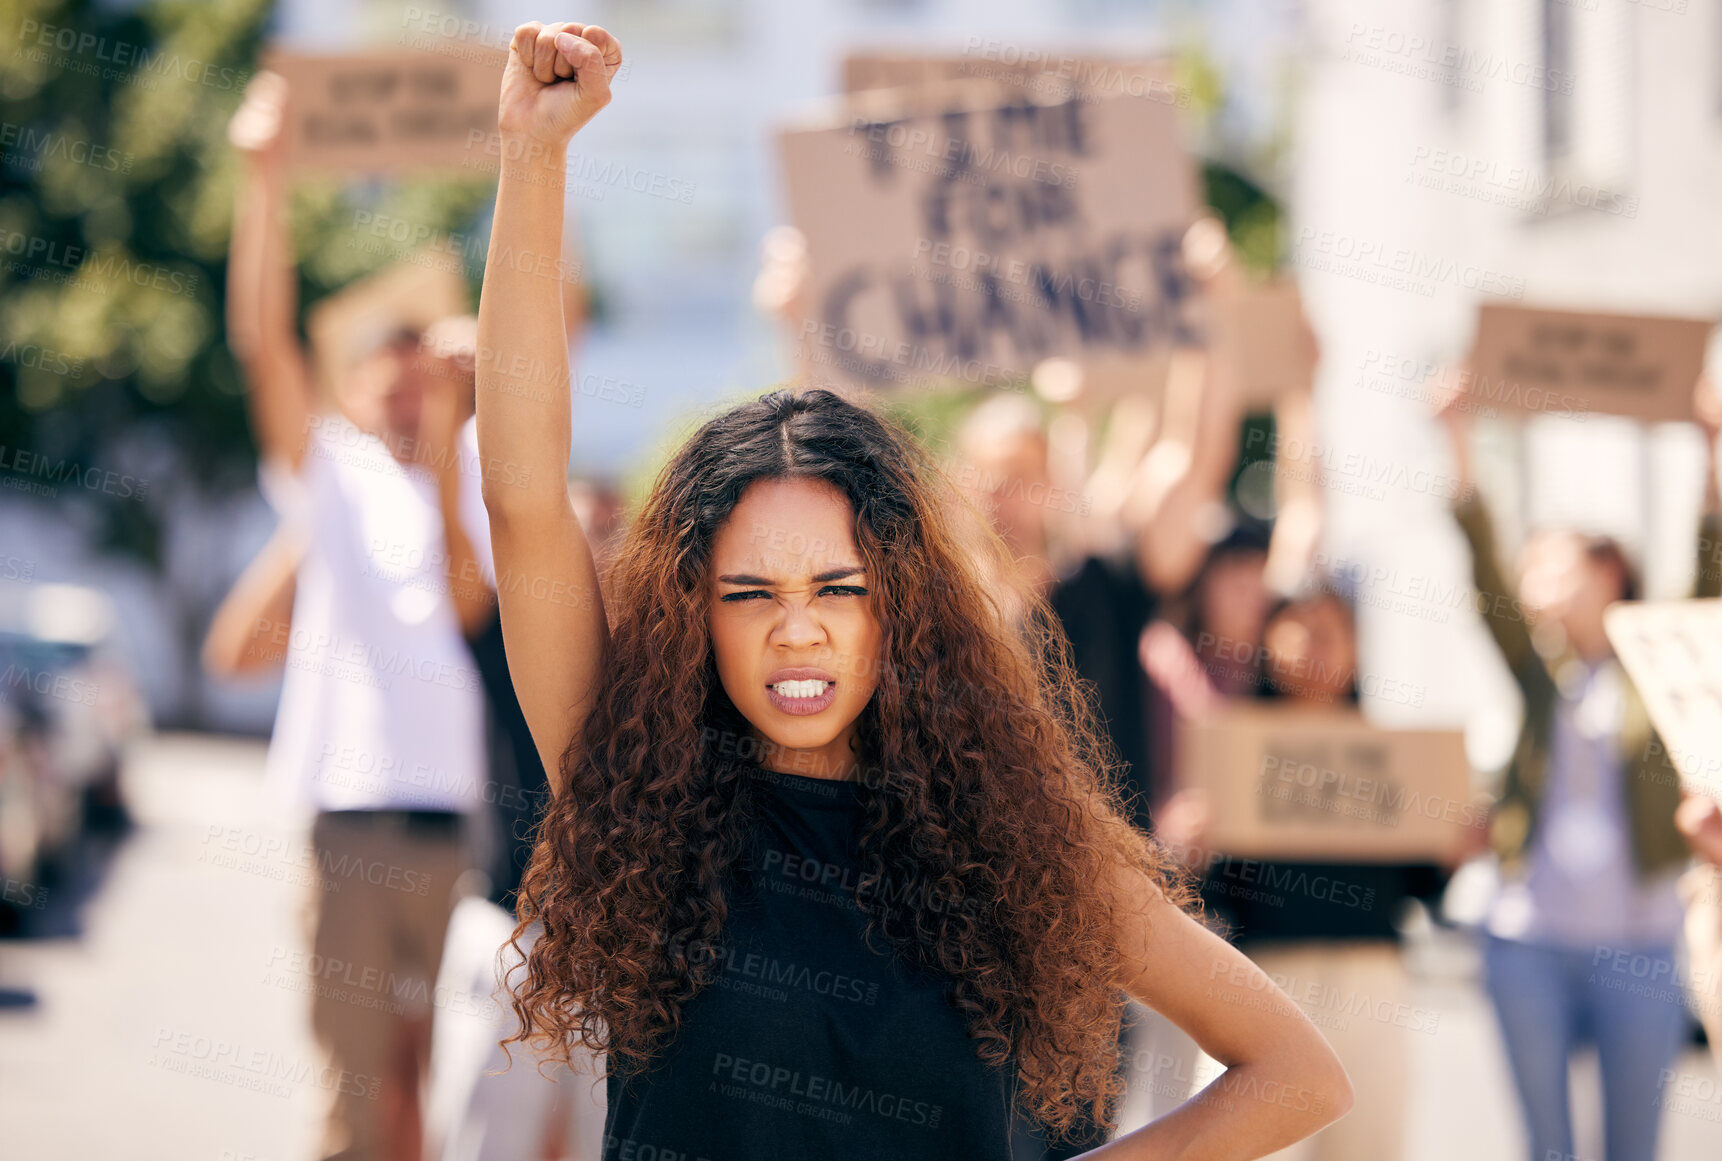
(116, 203)
(119, 399)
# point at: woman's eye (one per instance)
(746, 596)
(843, 591)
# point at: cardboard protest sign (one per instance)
(951, 237)
(1289, 783)
(352, 323)
(389, 112)
(1569, 363)
(1672, 650)
(1033, 73)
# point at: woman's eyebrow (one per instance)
(828, 575)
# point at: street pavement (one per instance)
(171, 1024)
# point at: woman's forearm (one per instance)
(523, 397)
(1248, 1111)
(1282, 1080)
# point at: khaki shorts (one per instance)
(378, 915)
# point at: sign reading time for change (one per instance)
(955, 237)
(1572, 363)
(1672, 650)
(1290, 783)
(384, 113)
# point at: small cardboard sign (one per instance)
(1294, 783)
(1034, 74)
(1572, 363)
(1672, 650)
(954, 238)
(1264, 330)
(389, 112)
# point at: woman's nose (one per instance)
(799, 627)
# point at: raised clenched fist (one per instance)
(256, 128)
(557, 78)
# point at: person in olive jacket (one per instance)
(1588, 910)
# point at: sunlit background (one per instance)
(1400, 160)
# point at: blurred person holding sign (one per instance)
(830, 870)
(380, 728)
(472, 1110)
(1324, 926)
(1585, 827)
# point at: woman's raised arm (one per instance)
(553, 625)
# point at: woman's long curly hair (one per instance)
(992, 811)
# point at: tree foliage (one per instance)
(116, 204)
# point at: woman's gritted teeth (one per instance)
(811, 687)
(801, 690)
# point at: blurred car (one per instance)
(68, 707)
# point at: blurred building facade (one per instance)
(1449, 153)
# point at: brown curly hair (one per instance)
(993, 812)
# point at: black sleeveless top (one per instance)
(809, 1043)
